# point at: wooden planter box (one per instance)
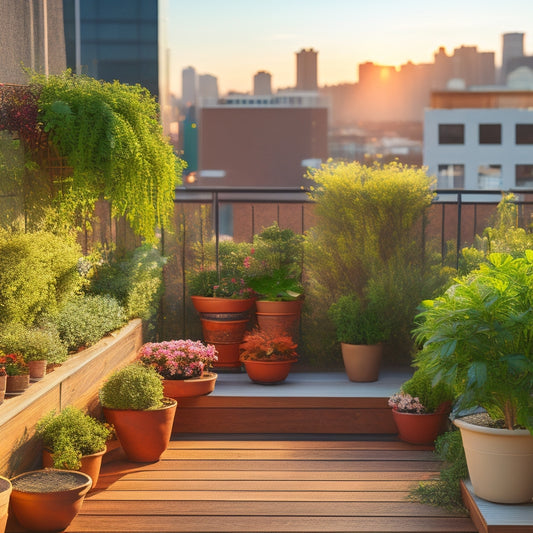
(76, 382)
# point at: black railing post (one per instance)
(459, 214)
(216, 225)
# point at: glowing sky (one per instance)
(233, 39)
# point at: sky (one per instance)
(233, 39)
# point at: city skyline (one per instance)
(233, 40)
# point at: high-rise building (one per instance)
(306, 70)
(207, 87)
(513, 47)
(116, 40)
(262, 83)
(188, 86)
(31, 37)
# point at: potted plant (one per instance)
(221, 295)
(183, 364)
(49, 499)
(478, 337)
(37, 346)
(275, 274)
(268, 357)
(420, 410)
(361, 329)
(18, 377)
(5, 494)
(73, 440)
(133, 402)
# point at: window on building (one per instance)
(451, 133)
(490, 134)
(489, 177)
(524, 134)
(524, 175)
(451, 177)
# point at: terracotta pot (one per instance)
(278, 318)
(90, 464)
(500, 462)
(362, 361)
(204, 304)
(37, 369)
(143, 435)
(40, 506)
(223, 331)
(5, 494)
(420, 428)
(268, 372)
(17, 384)
(3, 380)
(228, 355)
(187, 388)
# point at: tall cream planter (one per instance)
(362, 361)
(500, 462)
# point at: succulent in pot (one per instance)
(133, 401)
(478, 338)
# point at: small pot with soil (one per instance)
(48, 499)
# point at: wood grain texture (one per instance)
(268, 486)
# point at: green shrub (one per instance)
(431, 396)
(85, 319)
(136, 281)
(133, 387)
(33, 343)
(37, 274)
(71, 434)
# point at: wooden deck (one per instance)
(215, 483)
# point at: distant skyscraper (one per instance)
(306, 70)
(262, 83)
(188, 86)
(513, 46)
(207, 86)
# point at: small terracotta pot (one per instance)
(17, 384)
(90, 464)
(144, 435)
(223, 331)
(268, 372)
(362, 362)
(188, 388)
(41, 506)
(420, 428)
(37, 369)
(278, 318)
(205, 304)
(228, 355)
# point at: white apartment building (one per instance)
(480, 140)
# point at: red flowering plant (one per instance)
(178, 359)
(14, 364)
(262, 346)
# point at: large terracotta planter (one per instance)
(188, 388)
(224, 323)
(90, 464)
(268, 372)
(420, 428)
(361, 361)
(143, 435)
(37, 369)
(5, 494)
(500, 462)
(17, 384)
(40, 506)
(279, 318)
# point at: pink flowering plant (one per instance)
(405, 403)
(178, 359)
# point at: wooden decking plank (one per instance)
(235, 524)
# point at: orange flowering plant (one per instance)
(261, 346)
(14, 364)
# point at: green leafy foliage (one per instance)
(85, 319)
(133, 387)
(431, 396)
(445, 491)
(477, 338)
(37, 274)
(368, 240)
(33, 343)
(356, 323)
(71, 434)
